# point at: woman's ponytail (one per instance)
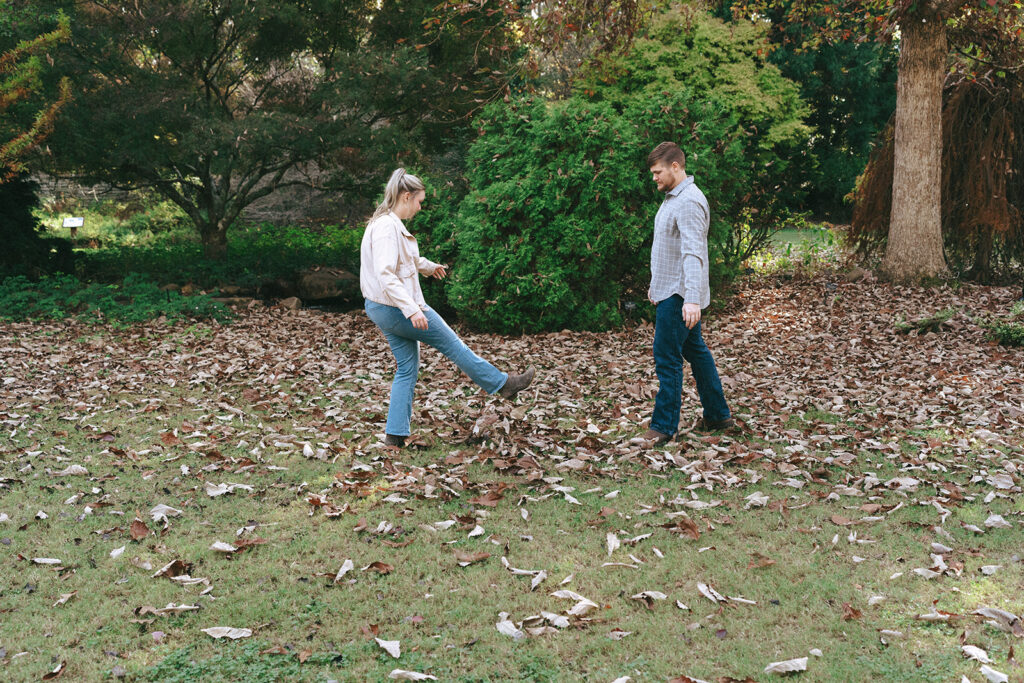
(399, 182)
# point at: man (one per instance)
(679, 289)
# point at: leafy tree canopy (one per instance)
(216, 104)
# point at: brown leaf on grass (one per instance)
(138, 530)
(102, 436)
(379, 567)
(246, 543)
(685, 527)
(648, 598)
(759, 561)
(465, 558)
(174, 568)
(56, 672)
(839, 520)
(275, 650)
(305, 654)
(370, 630)
(169, 439)
(394, 544)
(490, 499)
(850, 612)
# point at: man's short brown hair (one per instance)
(667, 152)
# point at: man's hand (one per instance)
(691, 315)
(419, 321)
(439, 272)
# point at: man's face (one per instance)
(666, 176)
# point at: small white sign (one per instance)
(74, 222)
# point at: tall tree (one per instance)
(216, 103)
(914, 248)
(23, 124)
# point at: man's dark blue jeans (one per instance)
(672, 343)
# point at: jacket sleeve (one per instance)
(691, 220)
(426, 266)
(384, 241)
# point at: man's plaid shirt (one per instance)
(679, 255)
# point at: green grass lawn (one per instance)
(810, 514)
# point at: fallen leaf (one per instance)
(138, 530)
(56, 672)
(649, 597)
(346, 567)
(710, 593)
(787, 666)
(465, 558)
(65, 597)
(227, 632)
(976, 653)
(993, 676)
(392, 647)
(399, 674)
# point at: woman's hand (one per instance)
(419, 321)
(440, 271)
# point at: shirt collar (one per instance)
(401, 226)
(683, 184)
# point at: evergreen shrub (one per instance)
(553, 228)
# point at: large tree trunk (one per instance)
(215, 239)
(915, 228)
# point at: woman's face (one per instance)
(413, 202)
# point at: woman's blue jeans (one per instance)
(672, 343)
(405, 339)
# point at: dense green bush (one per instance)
(137, 299)
(556, 229)
(552, 230)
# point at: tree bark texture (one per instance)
(215, 240)
(914, 249)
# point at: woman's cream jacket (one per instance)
(389, 265)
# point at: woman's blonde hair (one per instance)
(399, 182)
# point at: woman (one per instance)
(390, 264)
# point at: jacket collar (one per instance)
(401, 226)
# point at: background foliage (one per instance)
(556, 228)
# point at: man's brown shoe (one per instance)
(652, 438)
(516, 383)
(396, 441)
(708, 426)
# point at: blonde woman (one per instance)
(390, 264)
